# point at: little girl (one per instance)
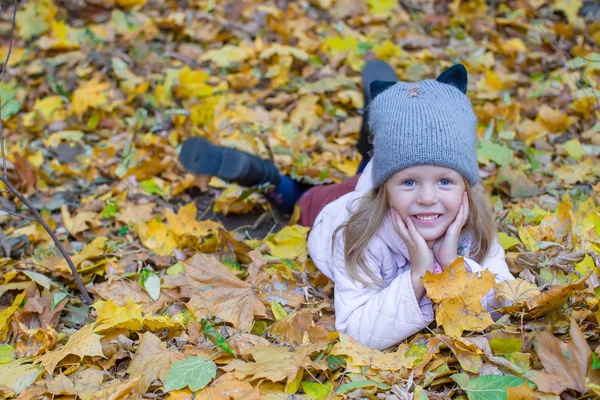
(416, 207)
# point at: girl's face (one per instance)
(429, 195)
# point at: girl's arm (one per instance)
(374, 316)
(496, 264)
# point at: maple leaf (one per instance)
(151, 361)
(459, 295)
(185, 223)
(214, 290)
(273, 363)
(516, 291)
(111, 316)
(362, 356)
(293, 328)
(83, 343)
(565, 364)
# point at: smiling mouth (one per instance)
(429, 217)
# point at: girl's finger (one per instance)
(400, 227)
(415, 235)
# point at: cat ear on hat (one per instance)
(376, 87)
(456, 76)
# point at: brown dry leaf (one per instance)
(83, 343)
(214, 290)
(362, 356)
(516, 291)
(113, 390)
(61, 385)
(292, 328)
(228, 388)
(459, 294)
(119, 289)
(83, 221)
(553, 298)
(467, 354)
(565, 364)
(151, 361)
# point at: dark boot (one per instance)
(373, 70)
(200, 156)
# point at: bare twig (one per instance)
(16, 214)
(26, 201)
(57, 242)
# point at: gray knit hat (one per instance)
(428, 122)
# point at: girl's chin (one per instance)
(430, 234)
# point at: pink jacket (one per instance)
(383, 316)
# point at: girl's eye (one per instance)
(409, 182)
(445, 182)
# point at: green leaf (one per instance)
(150, 281)
(57, 298)
(595, 361)
(10, 108)
(194, 372)
(346, 387)
(278, 310)
(175, 269)
(214, 336)
(491, 387)
(462, 379)
(110, 209)
(7, 353)
(335, 362)
(498, 153)
(317, 390)
(40, 279)
(75, 316)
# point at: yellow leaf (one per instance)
(157, 237)
(79, 223)
(278, 310)
(586, 265)
(459, 293)
(111, 316)
(7, 313)
(184, 222)
(382, 7)
(513, 45)
(360, 356)
(516, 291)
(290, 242)
(273, 363)
(60, 39)
(227, 55)
(571, 9)
(553, 120)
(129, 4)
(507, 241)
(526, 236)
(17, 375)
(387, 50)
(574, 149)
(82, 343)
(90, 94)
(283, 50)
(94, 249)
(191, 83)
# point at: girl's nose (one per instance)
(427, 195)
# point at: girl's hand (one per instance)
(445, 248)
(421, 257)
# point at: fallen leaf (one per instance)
(83, 343)
(215, 291)
(565, 364)
(459, 295)
(151, 361)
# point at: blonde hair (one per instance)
(371, 211)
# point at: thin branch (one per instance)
(57, 242)
(17, 215)
(26, 201)
(12, 34)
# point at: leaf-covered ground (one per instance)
(96, 99)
